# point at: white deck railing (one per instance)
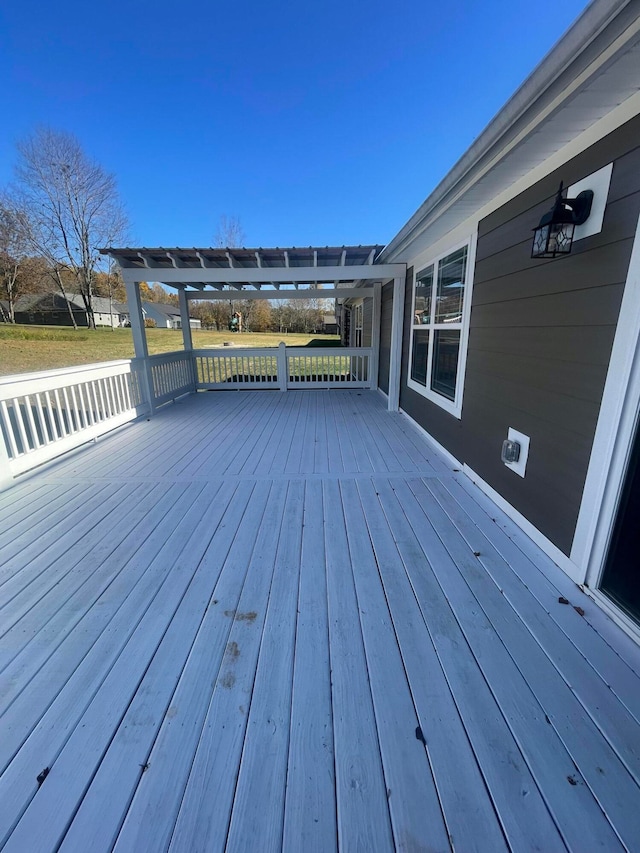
(42, 415)
(171, 376)
(328, 367)
(282, 367)
(237, 368)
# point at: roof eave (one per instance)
(524, 103)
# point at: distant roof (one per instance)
(163, 308)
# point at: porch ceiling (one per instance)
(241, 268)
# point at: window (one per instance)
(357, 326)
(441, 303)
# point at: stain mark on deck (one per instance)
(248, 616)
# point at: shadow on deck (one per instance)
(266, 621)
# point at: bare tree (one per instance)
(71, 208)
(229, 233)
(13, 251)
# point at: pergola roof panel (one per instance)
(329, 268)
(160, 258)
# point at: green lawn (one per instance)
(29, 348)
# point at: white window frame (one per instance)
(357, 324)
(453, 407)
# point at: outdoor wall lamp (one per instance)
(554, 234)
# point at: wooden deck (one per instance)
(267, 621)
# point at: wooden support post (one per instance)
(283, 373)
(395, 360)
(136, 319)
(375, 336)
(187, 341)
(6, 477)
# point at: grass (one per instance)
(24, 349)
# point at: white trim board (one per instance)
(614, 433)
(421, 242)
(432, 441)
(532, 532)
(551, 550)
(614, 613)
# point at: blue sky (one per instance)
(323, 123)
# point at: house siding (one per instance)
(386, 314)
(540, 339)
(367, 317)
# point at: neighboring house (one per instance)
(330, 324)
(545, 351)
(48, 309)
(107, 313)
(51, 309)
(166, 316)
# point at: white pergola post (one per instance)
(187, 340)
(141, 350)
(395, 358)
(375, 334)
(184, 320)
(6, 477)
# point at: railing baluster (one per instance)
(79, 413)
(51, 416)
(17, 413)
(60, 413)
(6, 417)
(69, 415)
(32, 424)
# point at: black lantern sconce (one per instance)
(554, 234)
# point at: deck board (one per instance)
(267, 621)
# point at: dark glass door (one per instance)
(621, 577)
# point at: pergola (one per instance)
(342, 272)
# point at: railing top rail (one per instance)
(172, 355)
(228, 351)
(15, 378)
(329, 351)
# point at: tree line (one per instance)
(61, 208)
(262, 315)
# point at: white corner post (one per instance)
(283, 373)
(6, 477)
(187, 340)
(375, 335)
(184, 320)
(395, 358)
(140, 340)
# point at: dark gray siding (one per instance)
(386, 312)
(540, 340)
(367, 316)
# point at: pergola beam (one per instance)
(311, 293)
(251, 275)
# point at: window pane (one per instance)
(451, 275)
(419, 356)
(446, 345)
(422, 307)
